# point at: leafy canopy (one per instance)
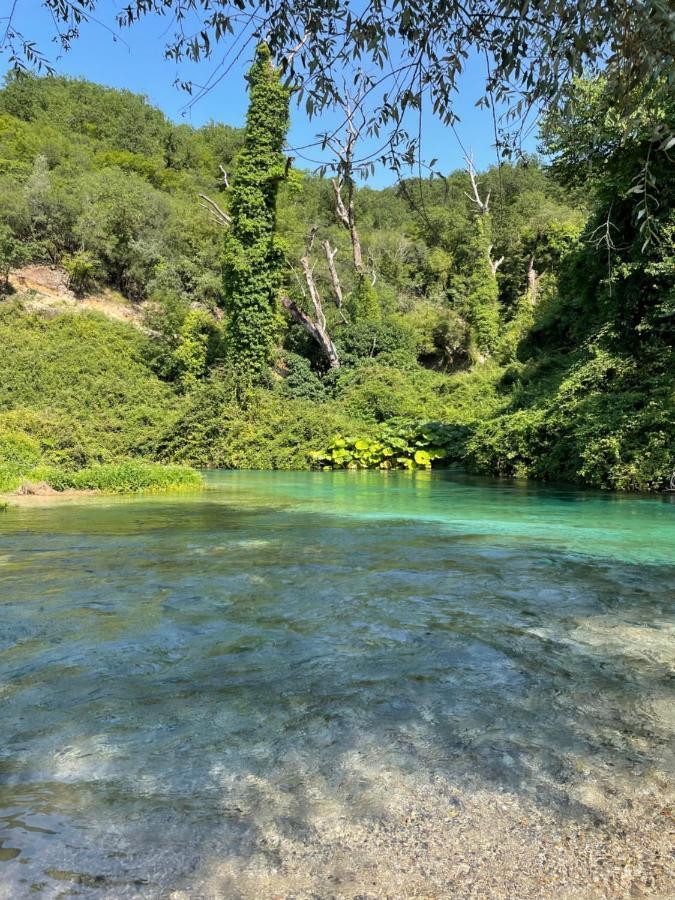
(402, 52)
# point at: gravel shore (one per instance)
(422, 836)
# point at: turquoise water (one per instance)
(179, 675)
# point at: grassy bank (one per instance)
(79, 407)
(130, 477)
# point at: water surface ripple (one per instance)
(188, 682)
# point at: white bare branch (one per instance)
(331, 253)
(218, 214)
(483, 205)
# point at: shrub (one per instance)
(509, 445)
(13, 253)
(200, 339)
(18, 449)
(10, 477)
(394, 445)
(300, 382)
(83, 271)
(600, 421)
(267, 430)
(78, 383)
(386, 341)
(363, 304)
(373, 392)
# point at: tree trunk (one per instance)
(347, 215)
(334, 277)
(315, 329)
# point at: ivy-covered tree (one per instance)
(476, 289)
(253, 255)
(477, 293)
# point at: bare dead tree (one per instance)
(494, 263)
(372, 269)
(533, 278)
(483, 206)
(344, 183)
(331, 253)
(316, 327)
(475, 197)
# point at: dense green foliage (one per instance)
(79, 408)
(558, 365)
(99, 180)
(79, 385)
(594, 396)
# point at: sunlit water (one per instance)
(181, 675)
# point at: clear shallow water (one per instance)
(181, 676)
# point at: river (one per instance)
(337, 684)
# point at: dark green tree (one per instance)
(253, 255)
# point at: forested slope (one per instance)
(539, 343)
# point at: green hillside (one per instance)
(558, 364)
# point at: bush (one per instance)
(83, 270)
(589, 423)
(18, 449)
(300, 382)
(388, 340)
(10, 478)
(78, 384)
(267, 430)
(128, 478)
(509, 445)
(373, 392)
(200, 342)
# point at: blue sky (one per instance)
(136, 62)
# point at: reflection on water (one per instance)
(202, 677)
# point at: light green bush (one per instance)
(131, 477)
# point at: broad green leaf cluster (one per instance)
(395, 445)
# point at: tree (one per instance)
(254, 257)
(407, 52)
(12, 255)
(623, 270)
(317, 327)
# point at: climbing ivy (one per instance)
(253, 256)
(478, 299)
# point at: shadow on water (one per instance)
(189, 680)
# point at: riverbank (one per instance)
(44, 498)
(28, 480)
